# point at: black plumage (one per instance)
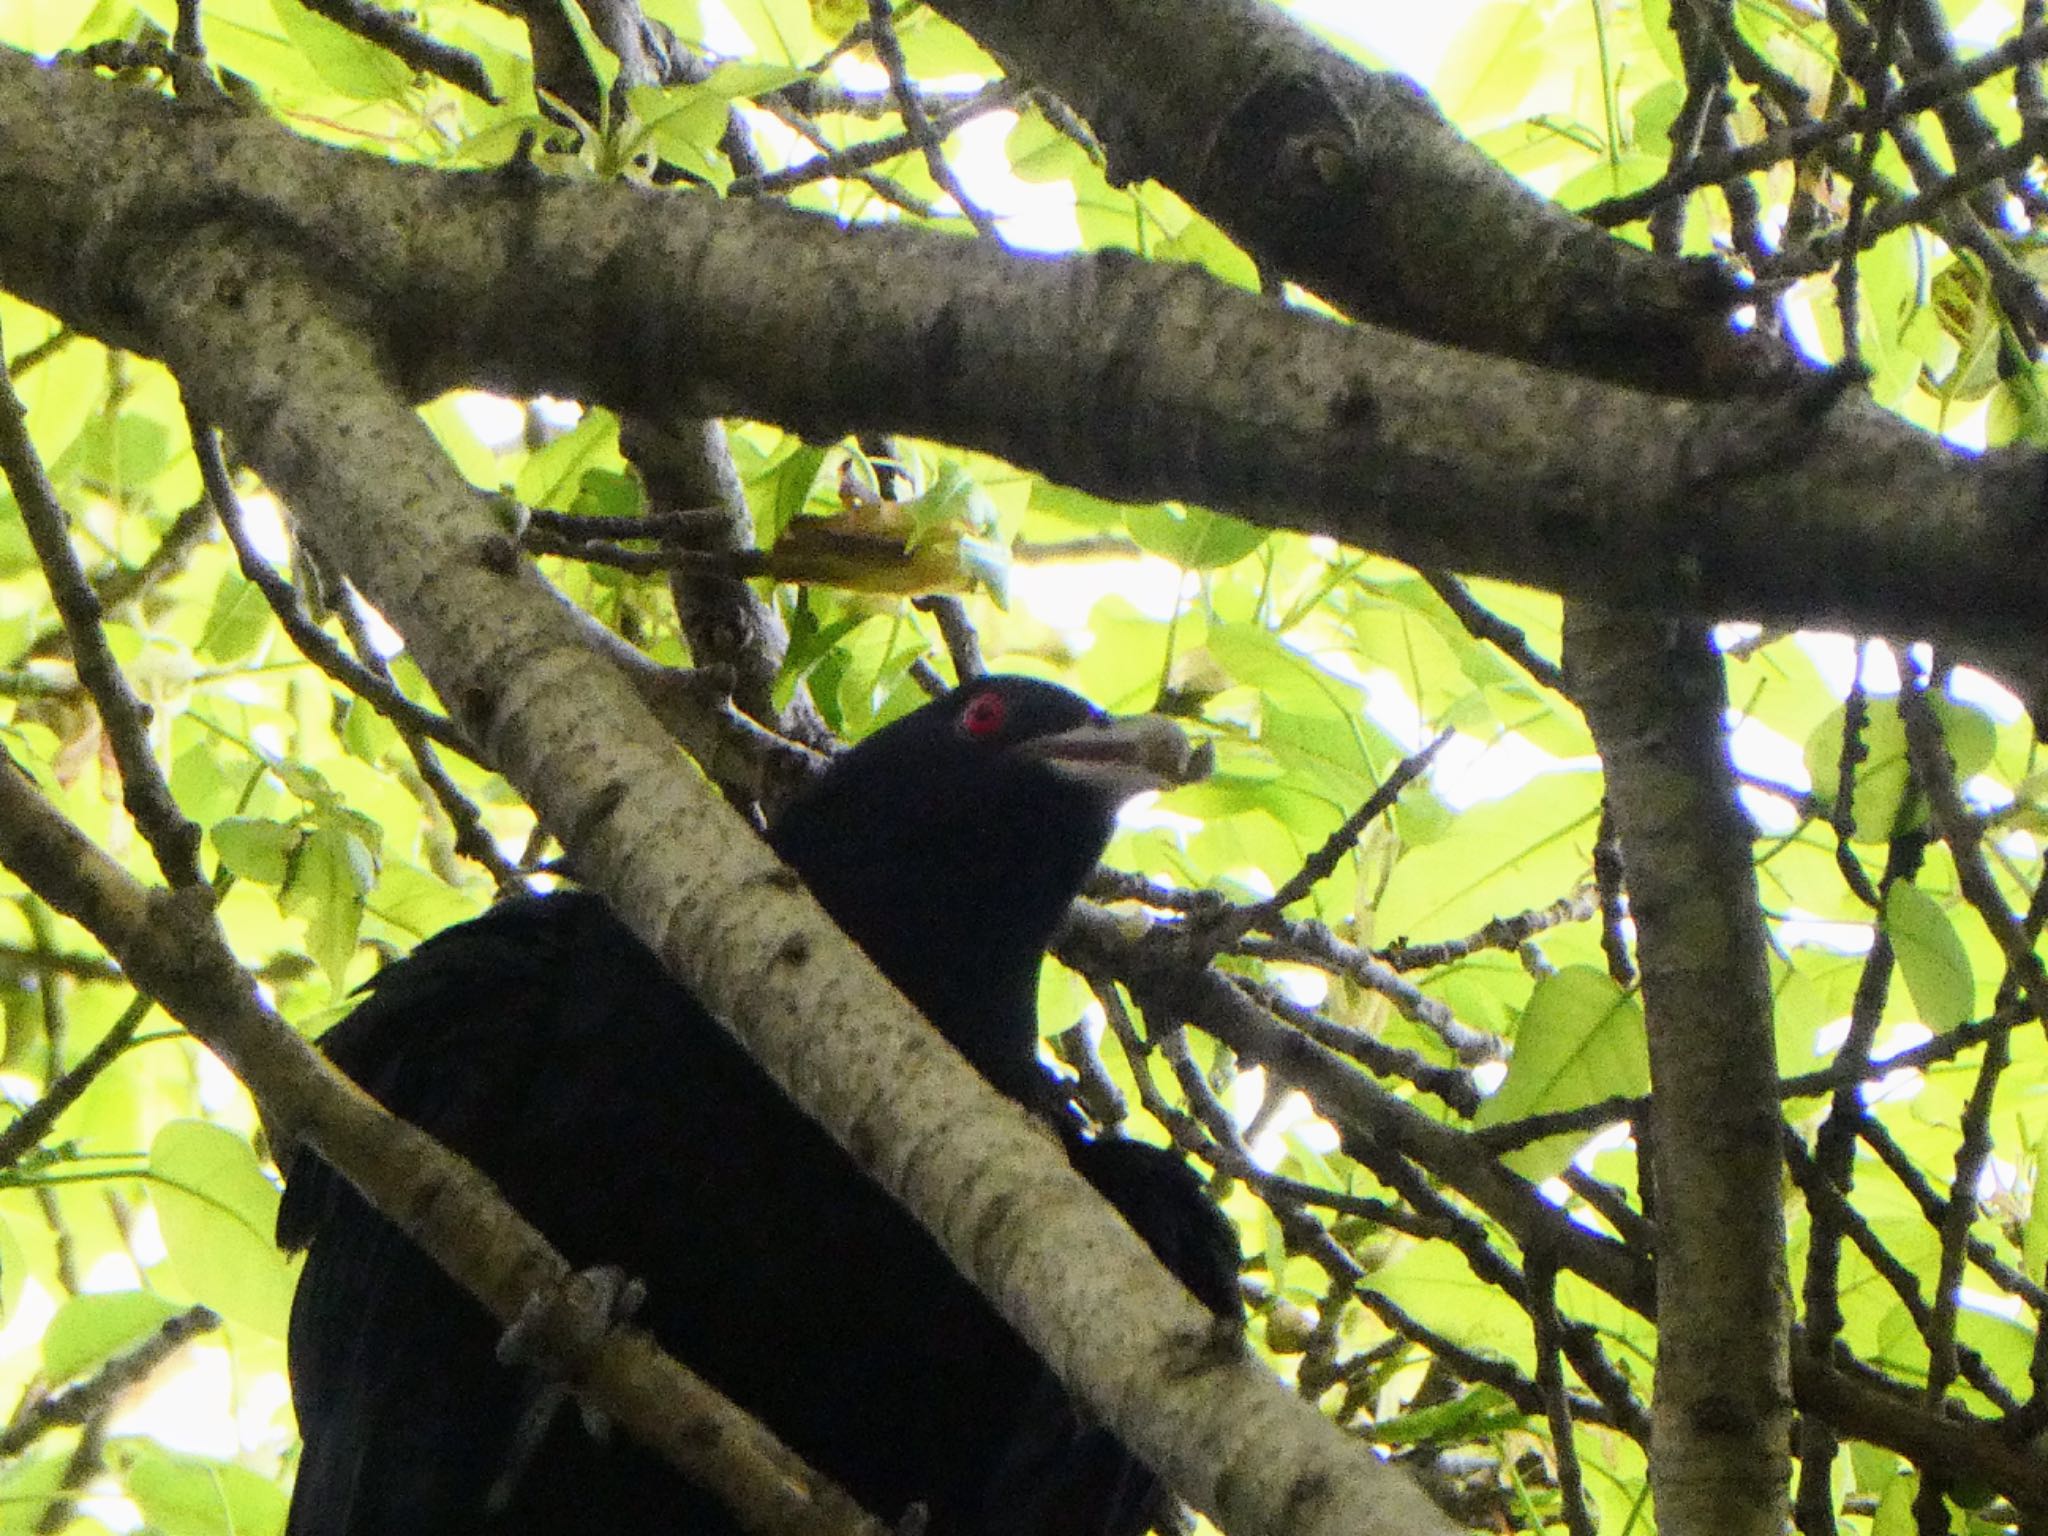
(546, 1044)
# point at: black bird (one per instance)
(543, 1042)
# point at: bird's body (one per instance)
(546, 1044)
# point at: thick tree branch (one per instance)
(1352, 184)
(1654, 697)
(1440, 457)
(170, 945)
(287, 373)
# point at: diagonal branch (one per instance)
(309, 403)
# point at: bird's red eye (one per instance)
(983, 716)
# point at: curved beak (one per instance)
(1125, 755)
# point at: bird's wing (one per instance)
(405, 1413)
(546, 1045)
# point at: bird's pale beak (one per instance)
(1125, 755)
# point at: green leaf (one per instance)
(1077, 507)
(686, 123)
(331, 872)
(1491, 64)
(219, 1218)
(186, 1495)
(366, 734)
(1497, 858)
(1476, 1413)
(237, 623)
(26, 1488)
(1580, 1040)
(1432, 1282)
(1931, 956)
(2034, 1239)
(91, 1329)
(782, 494)
(608, 493)
(349, 64)
(1040, 153)
(1192, 536)
(781, 29)
(13, 1268)
(954, 497)
(604, 64)
(254, 848)
(1884, 801)
(553, 474)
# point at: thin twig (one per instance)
(390, 31)
(78, 1404)
(172, 836)
(313, 642)
(962, 643)
(1482, 623)
(1222, 932)
(28, 1128)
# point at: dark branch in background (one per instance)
(1866, 55)
(2026, 80)
(87, 1459)
(853, 159)
(367, 679)
(916, 122)
(2029, 46)
(16, 961)
(1935, 772)
(473, 839)
(1855, 750)
(832, 161)
(188, 66)
(1896, 1274)
(390, 31)
(1311, 943)
(1924, 205)
(957, 630)
(42, 351)
(1945, 1356)
(373, 687)
(1830, 1171)
(1482, 623)
(1932, 1207)
(820, 95)
(124, 583)
(1101, 546)
(28, 1129)
(172, 837)
(1227, 928)
(1379, 1129)
(1451, 1084)
(1613, 1111)
(1929, 53)
(1485, 1370)
(170, 942)
(1306, 942)
(80, 1404)
(1541, 1280)
(563, 532)
(1501, 933)
(1609, 881)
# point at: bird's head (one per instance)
(950, 843)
